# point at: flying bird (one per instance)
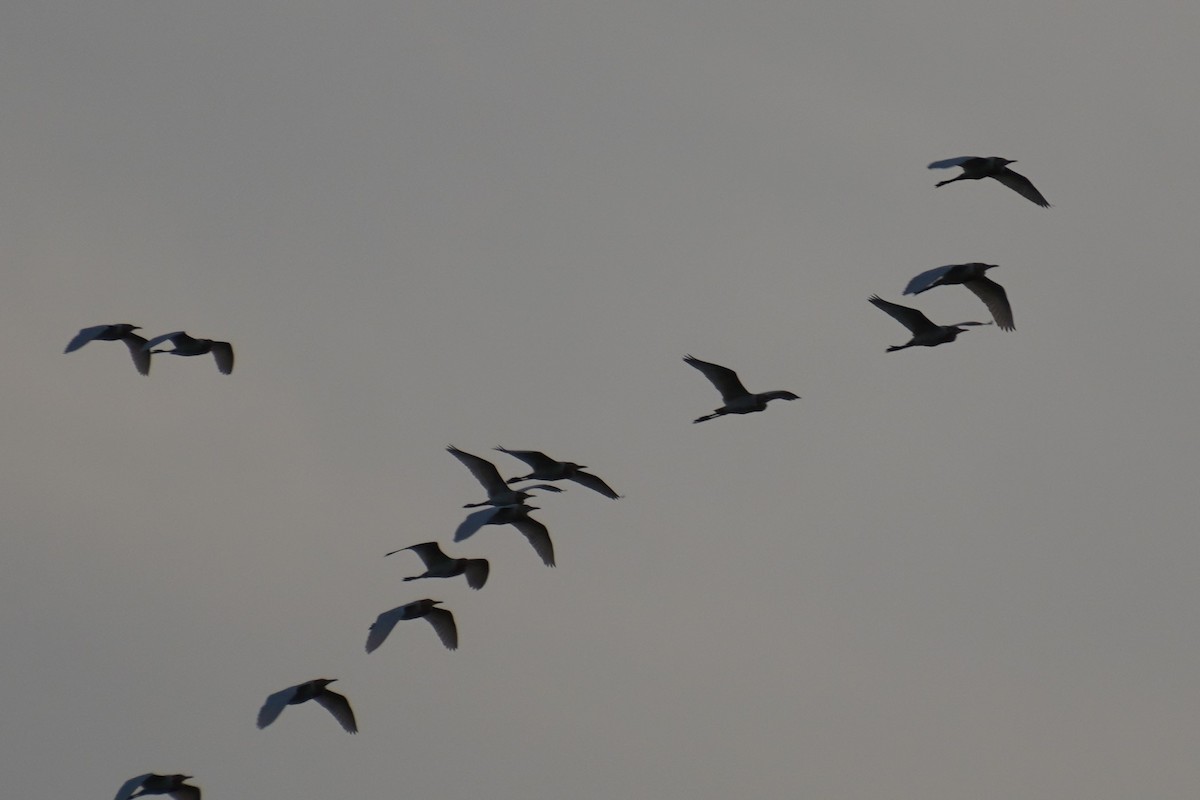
(122, 331)
(977, 167)
(441, 620)
(546, 468)
(925, 333)
(318, 690)
(499, 493)
(974, 278)
(737, 399)
(172, 785)
(185, 345)
(517, 516)
(440, 565)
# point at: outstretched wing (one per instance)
(484, 471)
(84, 336)
(474, 521)
(157, 340)
(725, 379)
(927, 279)
(223, 354)
(947, 163)
(1021, 185)
(477, 572)
(382, 627)
(274, 706)
(443, 622)
(536, 460)
(185, 793)
(339, 706)
(538, 536)
(138, 351)
(996, 299)
(429, 552)
(595, 484)
(910, 318)
(133, 784)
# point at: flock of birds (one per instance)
(505, 503)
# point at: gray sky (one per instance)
(967, 571)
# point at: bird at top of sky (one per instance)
(318, 690)
(737, 399)
(150, 783)
(924, 332)
(546, 468)
(518, 516)
(121, 331)
(185, 345)
(499, 492)
(440, 565)
(441, 620)
(973, 276)
(978, 167)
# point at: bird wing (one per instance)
(165, 337)
(474, 521)
(910, 318)
(595, 484)
(477, 572)
(130, 786)
(443, 622)
(185, 793)
(538, 536)
(996, 299)
(339, 706)
(223, 354)
(947, 163)
(536, 460)
(84, 336)
(1021, 185)
(274, 706)
(484, 471)
(382, 626)
(429, 552)
(725, 379)
(138, 351)
(927, 279)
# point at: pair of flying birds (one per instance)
(141, 349)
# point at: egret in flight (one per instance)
(440, 565)
(122, 331)
(441, 620)
(499, 493)
(171, 785)
(737, 399)
(973, 276)
(185, 345)
(924, 332)
(976, 168)
(318, 690)
(546, 468)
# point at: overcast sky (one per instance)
(961, 572)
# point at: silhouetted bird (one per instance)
(518, 517)
(331, 701)
(440, 565)
(977, 167)
(499, 493)
(441, 620)
(546, 468)
(737, 399)
(925, 333)
(122, 331)
(185, 345)
(171, 785)
(974, 278)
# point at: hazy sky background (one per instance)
(961, 572)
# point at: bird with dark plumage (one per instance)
(440, 565)
(121, 331)
(925, 333)
(546, 468)
(499, 492)
(518, 516)
(318, 690)
(976, 168)
(222, 352)
(441, 620)
(171, 785)
(737, 399)
(974, 277)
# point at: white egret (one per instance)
(546, 468)
(978, 167)
(499, 493)
(973, 276)
(121, 331)
(517, 516)
(925, 333)
(737, 399)
(185, 345)
(440, 565)
(318, 690)
(441, 620)
(171, 785)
